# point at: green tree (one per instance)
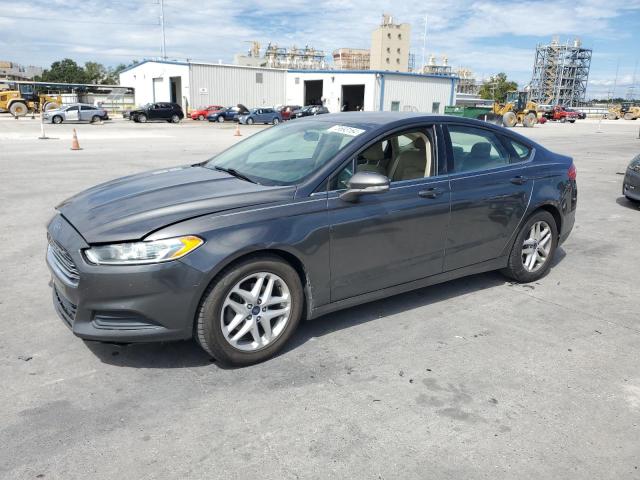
(66, 71)
(95, 72)
(497, 87)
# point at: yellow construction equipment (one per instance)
(625, 110)
(24, 98)
(516, 110)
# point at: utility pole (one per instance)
(164, 46)
(424, 42)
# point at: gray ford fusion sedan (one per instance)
(301, 220)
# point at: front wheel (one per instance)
(533, 249)
(220, 119)
(251, 311)
(249, 121)
(275, 121)
(57, 119)
(141, 118)
(201, 117)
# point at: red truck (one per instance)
(561, 114)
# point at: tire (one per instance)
(563, 120)
(516, 268)
(249, 121)
(275, 121)
(175, 118)
(95, 119)
(201, 117)
(57, 119)
(208, 326)
(141, 118)
(50, 106)
(628, 116)
(220, 119)
(572, 121)
(18, 109)
(509, 119)
(529, 120)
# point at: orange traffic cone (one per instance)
(237, 134)
(74, 141)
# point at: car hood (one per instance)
(130, 208)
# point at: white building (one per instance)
(199, 84)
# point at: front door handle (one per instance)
(432, 192)
(519, 180)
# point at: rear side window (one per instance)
(522, 152)
(476, 149)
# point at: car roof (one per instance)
(379, 120)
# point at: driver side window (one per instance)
(405, 156)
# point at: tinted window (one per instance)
(522, 151)
(476, 149)
(72, 109)
(85, 107)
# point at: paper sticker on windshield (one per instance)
(351, 131)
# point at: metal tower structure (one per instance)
(560, 74)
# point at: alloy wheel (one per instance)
(537, 246)
(255, 311)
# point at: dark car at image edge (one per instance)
(303, 219)
(631, 182)
(159, 111)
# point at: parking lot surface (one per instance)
(475, 378)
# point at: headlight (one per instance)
(143, 252)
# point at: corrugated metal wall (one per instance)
(230, 85)
(417, 93)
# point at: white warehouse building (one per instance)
(195, 85)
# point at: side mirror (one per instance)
(365, 183)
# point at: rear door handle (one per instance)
(432, 192)
(519, 180)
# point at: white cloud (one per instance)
(485, 35)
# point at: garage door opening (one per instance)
(352, 98)
(313, 92)
(176, 90)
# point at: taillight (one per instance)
(572, 172)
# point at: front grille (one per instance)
(62, 261)
(65, 307)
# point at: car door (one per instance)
(490, 193)
(72, 113)
(386, 239)
(86, 112)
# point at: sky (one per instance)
(486, 36)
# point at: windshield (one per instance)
(286, 154)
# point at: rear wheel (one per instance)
(509, 119)
(95, 119)
(629, 116)
(533, 249)
(251, 311)
(529, 120)
(18, 109)
(175, 118)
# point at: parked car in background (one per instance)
(202, 113)
(229, 114)
(561, 114)
(311, 110)
(631, 182)
(287, 111)
(161, 111)
(77, 112)
(301, 220)
(260, 115)
(580, 113)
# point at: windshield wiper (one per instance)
(235, 173)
